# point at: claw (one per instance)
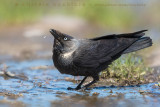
(77, 88)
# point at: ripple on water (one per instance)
(45, 86)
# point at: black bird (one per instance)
(88, 57)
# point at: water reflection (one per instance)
(45, 86)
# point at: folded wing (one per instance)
(105, 49)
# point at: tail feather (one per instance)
(143, 42)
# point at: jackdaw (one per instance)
(88, 57)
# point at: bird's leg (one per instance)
(79, 85)
(95, 79)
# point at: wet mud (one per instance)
(38, 83)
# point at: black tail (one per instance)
(143, 42)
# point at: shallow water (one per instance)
(37, 83)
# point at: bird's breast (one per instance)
(62, 61)
(67, 55)
(64, 66)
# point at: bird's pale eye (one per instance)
(65, 38)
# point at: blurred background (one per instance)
(26, 49)
(25, 24)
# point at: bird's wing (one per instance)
(103, 50)
(126, 35)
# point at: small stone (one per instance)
(95, 93)
(111, 91)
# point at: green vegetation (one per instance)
(20, 11)
(25, 11)
(106, 13)
(128, 68)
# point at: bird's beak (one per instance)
(54, 33)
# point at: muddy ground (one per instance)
(28, 77)
(37, 83)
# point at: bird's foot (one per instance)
(77, 88)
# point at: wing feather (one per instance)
(104, 49)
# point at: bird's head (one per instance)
(63, 42)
